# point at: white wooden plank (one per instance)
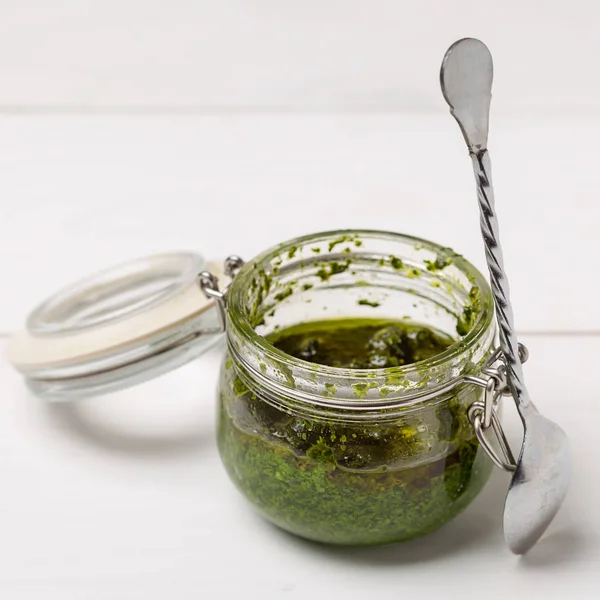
(81, 193)
(124, 497)
(318, 54)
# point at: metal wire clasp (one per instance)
(482, 413)
(209, 284)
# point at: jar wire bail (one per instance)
(482, 413)
(209, 284)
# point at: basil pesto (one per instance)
(347, 481)
(361, 343)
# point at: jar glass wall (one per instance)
(354, 456)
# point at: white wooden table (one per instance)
(124, 497)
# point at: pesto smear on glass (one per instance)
(352, 482)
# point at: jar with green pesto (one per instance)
(344, 393)
(354, 367)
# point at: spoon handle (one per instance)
(490, 232)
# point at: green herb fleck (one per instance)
(396, 262)
(332, 268)
(284, 294)
(340, 240)
(441, 262)
(470, 312)
(360, 389)
(365, 302)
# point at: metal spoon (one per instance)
(540, 481)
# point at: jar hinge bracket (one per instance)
(209, 284)
(482, 413)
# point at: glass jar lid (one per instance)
(119, 327)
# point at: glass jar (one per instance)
(354, 456)
(344, 456)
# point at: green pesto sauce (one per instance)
(361, 343)
(345, 482)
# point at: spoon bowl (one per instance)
(539, 484)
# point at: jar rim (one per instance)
(242, 324)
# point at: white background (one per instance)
(227, 126)
(334, 54)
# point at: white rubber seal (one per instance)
(136, 304)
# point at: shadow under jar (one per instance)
(354, 456)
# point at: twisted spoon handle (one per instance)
(491, 236)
